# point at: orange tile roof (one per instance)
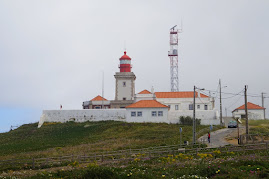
(99, 98)
(179, 94)
(251, 106)
(147, 104)
(144, 92)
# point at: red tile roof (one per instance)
(147, 104)
(144, 92)
(251, 106)
(99, 98)
(179, 94)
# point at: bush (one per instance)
(187, 120)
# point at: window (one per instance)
(205, 106)
(153, 113)
(190, 106)
(169, 106)
(139, 114)
(123, 99)
(176, 107)
(198, 106)
(133, 114)
(124, 84)
(160, 113)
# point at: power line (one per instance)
(233, 95)
(235, 102)
(253, 95)
(221, 92)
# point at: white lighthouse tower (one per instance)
(125, 84)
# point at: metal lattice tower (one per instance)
(173, 55)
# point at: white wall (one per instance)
(139, 97)
(146, 115)
(82, 115)
(252, 113)
(124, 91)
(208, 117)
(100, 102)
(183, 103)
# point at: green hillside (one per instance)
(71, 138)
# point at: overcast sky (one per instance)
(54, 52)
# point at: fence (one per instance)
(253, 138)
(122, 155)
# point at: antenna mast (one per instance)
(103, 91)
(173, 55)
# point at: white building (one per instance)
(147, 111)
(181, 104)
(254, 112)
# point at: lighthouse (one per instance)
(125, 63)
(125, 83)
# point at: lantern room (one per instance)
(125, 63)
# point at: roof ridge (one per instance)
(250, 106)
(99, 98)
(145, 92)
(147, 104)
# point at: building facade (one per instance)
(255, 111)
(147, 111)
(181, 104)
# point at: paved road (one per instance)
(217, 138)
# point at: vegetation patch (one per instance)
(254, 164)
(55, 139)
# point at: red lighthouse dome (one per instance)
(125, 63)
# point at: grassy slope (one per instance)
(67, 138)
(259, 126)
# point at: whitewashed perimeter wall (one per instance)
(82, 115)
(208, 117)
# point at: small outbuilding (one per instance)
(147, 111)
(254, 112)
(96, 103)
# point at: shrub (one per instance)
(187, 120)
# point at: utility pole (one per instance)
(263, 105)
(238, 136)
(103, 91)
(194, 122)
(220, 102)
(226, 111)
(246, 110)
